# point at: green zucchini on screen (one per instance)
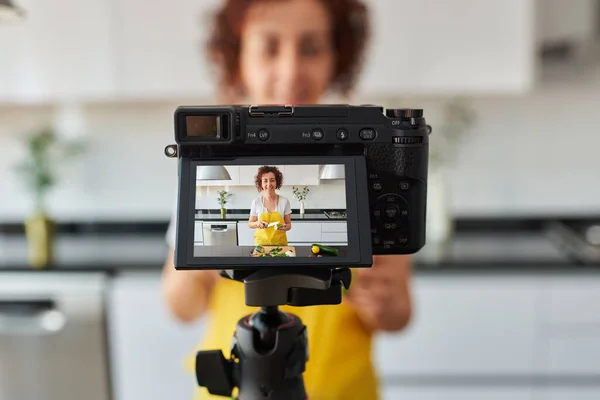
(319, 248)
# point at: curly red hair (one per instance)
(265, 170)
(350, 33)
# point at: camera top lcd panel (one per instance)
(384, 154)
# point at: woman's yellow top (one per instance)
(339, 363)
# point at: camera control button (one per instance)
(263, 134)
(376, 240)
(391, 212)
(342, 134)
(377, 213)
(404, 213)
(317, 134)
(390, 226)
(402, 240)
(387, 244)
(367, 134)
(392, 199)
(404, 185)
(377, 186)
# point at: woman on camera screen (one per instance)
(270, 213)
(296, 52)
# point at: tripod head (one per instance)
(294, 287)
(269, 348)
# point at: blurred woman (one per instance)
(270, 208)
(295, 52)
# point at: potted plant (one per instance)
(39, 173)
(301, 195)
(223, 199)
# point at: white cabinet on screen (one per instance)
(247, 174)
(293, 175)
(198, 234)
(245, 234)
(334, 233)
(298, 175)
(304, 233)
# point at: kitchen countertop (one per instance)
(471, 252)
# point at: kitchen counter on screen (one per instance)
(244, 215)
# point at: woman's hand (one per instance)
(381, 295)
(261, 224)
(285, 227)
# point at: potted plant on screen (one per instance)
(39, 173)
(301, 195)
(223, 199)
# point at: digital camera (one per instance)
(367, 163)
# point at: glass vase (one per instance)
(440, 222)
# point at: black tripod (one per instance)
(270, 348)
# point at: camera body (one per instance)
(384, 154)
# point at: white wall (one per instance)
(329, 194)
(527, 155)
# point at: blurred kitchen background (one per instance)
(506, 292)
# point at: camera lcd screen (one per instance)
(252, 212)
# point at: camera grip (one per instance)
(397, 182)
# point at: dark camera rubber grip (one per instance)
(403, 161)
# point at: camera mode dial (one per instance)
(404, 113)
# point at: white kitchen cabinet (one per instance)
(62, 50)
(572, 352)
(567, 393)
(466, 392)
(569, 325)
(148, 345)
(571, 301)
(152, 50)
(234, 174)
(160, 48)
(465, 325)
(449, 47)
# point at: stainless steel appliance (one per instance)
(52, 336)
(219, 233)
(331, 214)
